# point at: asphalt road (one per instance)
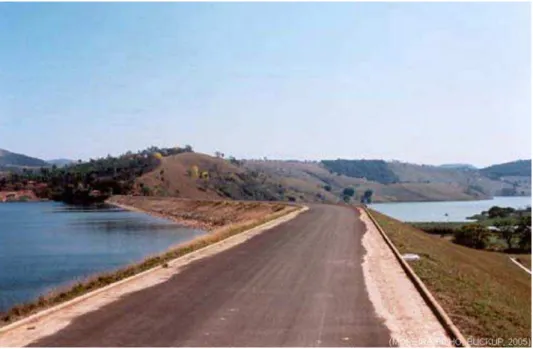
(298, 284)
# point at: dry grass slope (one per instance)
(171, 177)
(485, 294)
(310, 178)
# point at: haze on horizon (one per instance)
(424, 83)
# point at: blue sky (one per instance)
(424, 83)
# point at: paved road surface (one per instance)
(299, 284)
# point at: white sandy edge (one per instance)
(50, 321)
(520, 265)
(395, 298)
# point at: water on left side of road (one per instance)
(47, 245)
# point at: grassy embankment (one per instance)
(483, 292)
(218, 232)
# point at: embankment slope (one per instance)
(484, 293)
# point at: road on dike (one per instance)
(300, 283)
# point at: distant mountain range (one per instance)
(14, 160)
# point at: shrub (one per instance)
(501, 212)
(348, 192)
(146, 191)
(472, 235)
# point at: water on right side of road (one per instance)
(446, 211)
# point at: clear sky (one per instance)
(424, 83)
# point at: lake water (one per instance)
(45, 245)
(457, 210)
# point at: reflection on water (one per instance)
(446, 211)
(44, 245)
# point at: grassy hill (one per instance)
(389, 181)
(14, 160)
(200, 176)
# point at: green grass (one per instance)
(483, 292)
(99, 281)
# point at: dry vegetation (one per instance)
(485, 294)
(203, 214)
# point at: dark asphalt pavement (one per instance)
(298, 284)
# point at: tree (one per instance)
(472, 235)
(367, 196)
(234, 161)
(327, 187)
(507, 230)
(524, 232)
(501, 212)
(350, 192)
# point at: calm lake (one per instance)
(47, 244)
(457, 210)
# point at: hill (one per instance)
(389, 181)
(180, 172)
(315, 177)
(200, 176)
(519, 168)
(14, 160)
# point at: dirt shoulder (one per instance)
(395, 298)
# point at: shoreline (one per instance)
(78, 289)
(185, 223)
